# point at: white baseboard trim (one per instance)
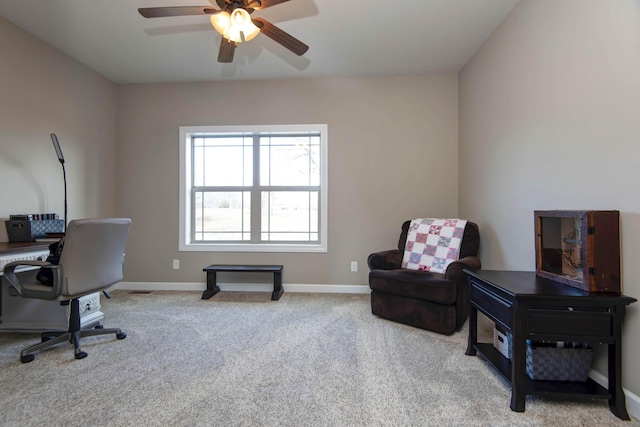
(328, 289)
(632, 400)
(248, 287)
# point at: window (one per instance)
(253, 188)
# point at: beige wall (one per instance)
(550, 119)
(392, 156)
(43, 91)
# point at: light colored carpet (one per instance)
(240, 359)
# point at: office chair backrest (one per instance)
(93, 254)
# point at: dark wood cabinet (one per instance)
(579, 248)
(531, 307)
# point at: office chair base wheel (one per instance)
(27, 358)
(98, 327)
(121, 336)
(81, 354)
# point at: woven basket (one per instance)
(29, 230)
(558, 364)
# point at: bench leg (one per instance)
(212, 288)
(277, 286)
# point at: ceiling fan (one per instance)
(233, 22)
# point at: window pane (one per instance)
(314, 159)
(287, 237)
(314, 219)
(248, 166)
(225, 166)
(222, 161)
(198, 166)
(225, 140)
(289, 161)
(285, 214)
(222, 215)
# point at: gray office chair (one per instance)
(91, 261)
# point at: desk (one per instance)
(30, 315)
(20, 251)
(535, 308)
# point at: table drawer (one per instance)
(491, 304)
(570, 323)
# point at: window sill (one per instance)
(257, 247)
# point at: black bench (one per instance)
(213, 288)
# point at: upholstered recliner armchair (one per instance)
(424, 299)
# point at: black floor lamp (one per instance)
(56, 145)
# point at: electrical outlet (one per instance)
(176, 264)
(354, 266)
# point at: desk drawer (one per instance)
(571, 323)
(491, 304)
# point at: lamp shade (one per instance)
(221, 22)
(241, 20)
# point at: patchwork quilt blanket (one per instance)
(433, 244)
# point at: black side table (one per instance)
(531, 307)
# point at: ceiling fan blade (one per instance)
(280, 36)
(162, 12)
(267, 3)
(227, 49)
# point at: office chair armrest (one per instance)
(34, 290)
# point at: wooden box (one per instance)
(579, 248)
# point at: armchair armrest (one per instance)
(34, 290)
(385, 260)
(454, 270)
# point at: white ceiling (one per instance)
(347, 38)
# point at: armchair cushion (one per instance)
(422, 285)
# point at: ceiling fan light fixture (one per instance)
(235, 25)
(233, 21)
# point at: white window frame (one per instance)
(185, 243)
